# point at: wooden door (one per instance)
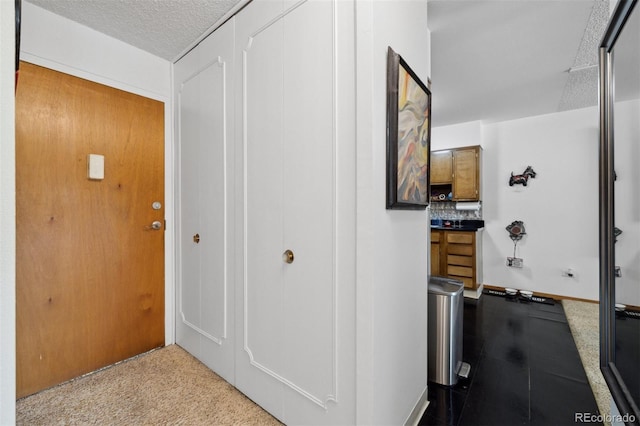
(90, 268)
(466, 177)
(205, 316)
(436, 247)
(441, 167)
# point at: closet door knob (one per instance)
(287, 256)
(196, 238)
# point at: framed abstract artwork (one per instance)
(408, 136)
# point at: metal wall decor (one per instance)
(516, 232)
(523, 178)
(616, 233)
(18, 16)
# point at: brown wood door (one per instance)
(90, 271)
(441, 167)
(466, 174)
(436, 247)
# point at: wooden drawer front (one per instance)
(459, 271)
(460, 260)
(468, 282)
(460, 237)
(435, 237)
(460, 249)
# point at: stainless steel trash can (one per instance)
(445, 321)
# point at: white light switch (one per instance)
(95, 167)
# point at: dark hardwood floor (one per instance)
(628, 350)
(525, 369)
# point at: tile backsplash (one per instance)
(447, 210)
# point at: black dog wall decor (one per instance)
(523, 178)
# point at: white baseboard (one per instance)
(418, 410)
(474, 294)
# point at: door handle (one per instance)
(155, 225)
(196, 238)
(287, 256)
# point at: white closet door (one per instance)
(288, 313)
(205, 302)
(259, 310)
(309, 351)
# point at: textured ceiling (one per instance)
(581, 89)
(165, 28)
(495, 60)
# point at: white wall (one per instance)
(60, 44)
(456, 136)
(7, 217)
(63, 45)
(559, 207)
(392, 244)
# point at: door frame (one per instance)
(169, 180)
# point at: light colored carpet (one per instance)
(167, 386)
(583, 318)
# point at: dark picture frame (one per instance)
(18, 20)
(408, 136)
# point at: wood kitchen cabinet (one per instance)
(441, 167)
(458, 255)
(456, 171)
(466, 174)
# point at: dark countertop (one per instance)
(451, 228)
(466, 225)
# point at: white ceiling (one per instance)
(492, 60)
(501, 60)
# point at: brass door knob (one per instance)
(287, 256)
(196, 238)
